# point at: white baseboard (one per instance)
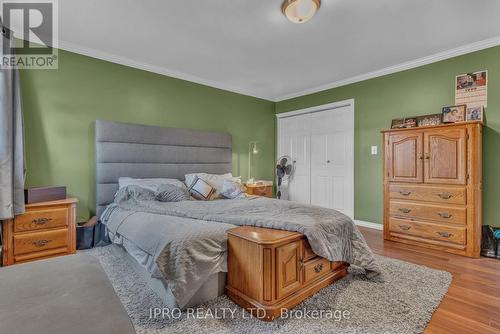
(375, 226)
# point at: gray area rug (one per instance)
(404, 303)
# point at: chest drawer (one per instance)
(447, 233)
(439, 194)
(438, 213)
(40, 241)
(40, 219)
(316, 268)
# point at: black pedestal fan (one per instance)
(284, 169)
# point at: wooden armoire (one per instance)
(433, 185)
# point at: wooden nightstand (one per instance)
(264, 188)
(45, 230)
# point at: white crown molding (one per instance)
(374, 226)
(75, 48)
(469, 48)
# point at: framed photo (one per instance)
(403, 123)
(397, 123)
(430, 120)
(454, 114)
(410, 122)
(475, 114)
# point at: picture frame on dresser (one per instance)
(454, 114)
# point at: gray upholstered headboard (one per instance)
(143, 151)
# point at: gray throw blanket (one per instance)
(331, 234)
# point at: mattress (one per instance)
(144, 264)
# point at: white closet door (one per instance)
(332, 159)
(295, 141)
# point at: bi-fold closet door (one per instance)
(321, 145)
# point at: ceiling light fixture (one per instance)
(300, 11)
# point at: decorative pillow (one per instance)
(151, 184)
(202, 190)
(171, 193)
(214, 180)
(232, 189)
(135, 192)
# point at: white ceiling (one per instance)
(248, 46)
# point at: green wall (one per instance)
(61, 105)
(419, 91)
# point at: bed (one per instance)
(142, 151)
(181, 247)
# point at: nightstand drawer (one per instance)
(34, 220)
(39, 241)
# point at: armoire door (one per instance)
(332, 159)
(404, 156)
(294, 141)
(445, 156)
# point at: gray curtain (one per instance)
(12, 166)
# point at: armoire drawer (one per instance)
(439, 194)
(439, 213)
(447, 233)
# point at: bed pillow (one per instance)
(172, 193)
(151, 184)
(202, 190)
(232, 189)
(215, 180)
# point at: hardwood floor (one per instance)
(472, 304)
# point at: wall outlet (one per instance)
(374, 150)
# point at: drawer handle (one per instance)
(444, 234)
(404, 227)
(445, 195)
(405, 192)
(41, 221)
(445, 215)
(318, 268)
(405, 210)
(41, 243)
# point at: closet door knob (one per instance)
(327, 161)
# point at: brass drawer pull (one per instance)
(405, 192)
(405, 210)
(444, 234)
(404, 227)
(445, 195)
(445, 215)
(318, 268)
(41, 221)
(41, 243)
